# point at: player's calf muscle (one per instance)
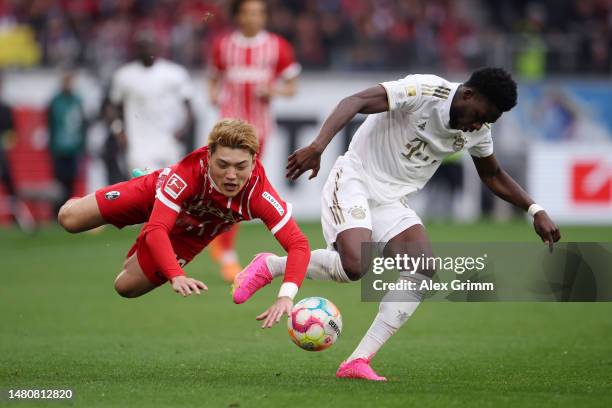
(348, 244)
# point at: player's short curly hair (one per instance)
(497, 85)
(235, 134)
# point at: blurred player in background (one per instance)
(152, 97)
(185, 206)
(248, 68)
(67, 126)
(413, 124)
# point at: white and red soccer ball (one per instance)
(314, 323)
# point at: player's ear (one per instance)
(468, 93)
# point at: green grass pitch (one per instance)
(64, 327)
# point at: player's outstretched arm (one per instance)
(155, 236)
(371, 100)
(506, 188)
(296, 244)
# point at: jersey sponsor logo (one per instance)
(112, 195)
(279, 208)
(175, 186)
(417, 152)
(591, 182)
(162, 177)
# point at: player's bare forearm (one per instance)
(371, 100)
(500, 182)
(214, 82)
(117, 126)
(504, 186)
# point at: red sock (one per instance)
(228, 239)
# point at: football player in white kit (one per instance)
(413, 124)
(153, 99)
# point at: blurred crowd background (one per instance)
(536, 37)
(557, 141)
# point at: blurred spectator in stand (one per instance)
(531, 56)
(112, 155)
(67, 125)
(16, 207)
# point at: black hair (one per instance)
(237, 4)
(497, 85)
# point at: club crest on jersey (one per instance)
(175, 186)
(112, 195)
(279, 208)
(358, 212)
(459, 143)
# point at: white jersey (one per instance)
(401, 149)
(152, 99)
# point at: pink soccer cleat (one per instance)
(255, 276)
(358, 368)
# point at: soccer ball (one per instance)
(314, 323)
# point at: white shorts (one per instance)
(154, 156)
(346, 203)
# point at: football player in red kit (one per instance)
(249, 67)
(185, 206)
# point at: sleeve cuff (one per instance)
(291, 71)
(388, 91)
(288, 289)
(173, 274)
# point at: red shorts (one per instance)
(130, 203)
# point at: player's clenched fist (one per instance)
(186, 286)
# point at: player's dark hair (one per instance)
(497, 85)
(237, 4)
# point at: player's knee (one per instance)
(124, 289)
(353, 267)
(67, 218)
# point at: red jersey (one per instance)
(246, 64)
(184, 211)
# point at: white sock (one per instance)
(395, 309)
(324, 265)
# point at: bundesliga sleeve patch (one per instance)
(175, 186)
(279, 208)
